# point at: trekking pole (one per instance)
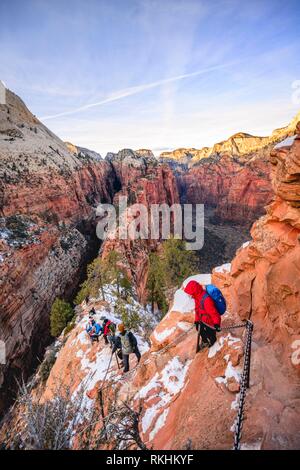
(117, 360)
(198, 340)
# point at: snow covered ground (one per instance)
(170, 381)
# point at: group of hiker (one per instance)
(210, 305)
(122, 344)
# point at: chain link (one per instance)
(243, 387)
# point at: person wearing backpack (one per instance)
(94, 330)
(109, 328)
(128, 345)
(209, 306)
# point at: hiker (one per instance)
(117, 346)
(109, 329)
(93, 329)
(207, 317)
(129, 345)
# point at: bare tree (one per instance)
(65, 422)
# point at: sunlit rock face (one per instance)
(48, 197)
(232, 176)
(264, 284)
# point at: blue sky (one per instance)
(159, 74)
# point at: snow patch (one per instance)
(183, 302)
(159, 423)
(149, 386)
(225, 268)
(173, 375)
(170, 381)
(244, 245)
(184, 325)
(164, 334)
(235, 403)
(203, 279)
(256, 445)
(286, 142)
(229, 373)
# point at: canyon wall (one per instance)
(49, 191)
(47, 201)
(232, 176)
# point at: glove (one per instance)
(217, 327)
(196, 323)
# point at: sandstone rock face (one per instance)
(190, 400)
(239, 145)
(233, 176)
(48, 195)
(47, 200)
(264, 285)
(238, 190)
(145, 182)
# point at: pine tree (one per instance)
(98, 276)
(179, 263)
(113, 262)
(156, 283)
(60, 315)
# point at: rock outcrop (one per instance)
(232, 176)
(238, 145)
(48, 195)
(264, 285)
(145, 182)
(47, 201)
(188, 400)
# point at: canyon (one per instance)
(184, 400)
(49, 192)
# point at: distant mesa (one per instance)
(240, 144)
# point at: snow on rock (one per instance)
(245, 245)
(288, 142)
(173, 375)
(229, 339)
(203, 279)
(182, 302)
(225, 268)
(164, 334)
(184, 325)
(153, 383)
(159, 423)
(256, 445)
(164, 385)
(230, 372)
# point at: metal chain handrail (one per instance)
(244, 384)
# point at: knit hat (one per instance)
(121, 327)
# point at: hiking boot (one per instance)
(203, 345)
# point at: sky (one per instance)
(157, 74)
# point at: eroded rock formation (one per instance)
(190, 400)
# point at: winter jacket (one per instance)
(109, 328)
(205, 311)
(94, 329)
(128, 342)
(98, 329)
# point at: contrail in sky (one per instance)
(137, 89)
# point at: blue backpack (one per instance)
(216, 295)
